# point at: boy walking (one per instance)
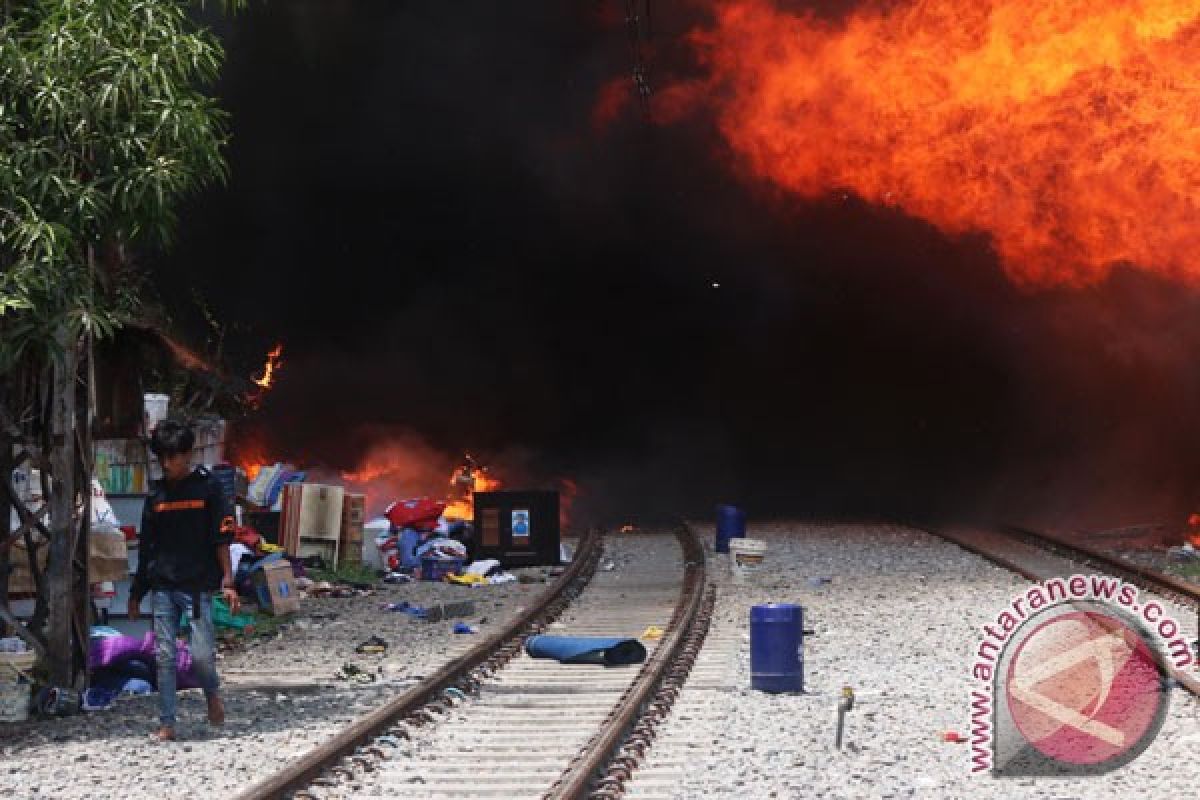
(183, 557)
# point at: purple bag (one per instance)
(110, 652)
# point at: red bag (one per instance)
(420, 514)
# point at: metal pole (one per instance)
(844, 705)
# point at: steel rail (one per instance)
(614, 780)
(1134, 573)
(501, 646)
(577, 780)
(1138, 575)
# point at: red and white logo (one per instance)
(1085, 688)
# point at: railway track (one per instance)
(1039, 555)
(496, 723)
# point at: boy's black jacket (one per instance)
(182, 525)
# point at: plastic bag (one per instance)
(223, 618)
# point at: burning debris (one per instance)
(1190, 549)
(272, 364)
(468, 479)
(384, 476)
(1193, 531)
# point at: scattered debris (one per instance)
(1187, 552)
(372, 646)
(98, 699)
(354, 674)
(463, 608)
(414, 611)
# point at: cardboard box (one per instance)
(108, 560)
(275, 588)
(108, 556)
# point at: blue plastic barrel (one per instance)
(777, 647)
(731, 523)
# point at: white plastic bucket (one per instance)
(747, 558)
(374, 531)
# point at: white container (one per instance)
(155, 406)
(14, 701)
(373, 531)
(746, 558)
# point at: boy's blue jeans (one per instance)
(169, 606)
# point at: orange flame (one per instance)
(464, 508)
(250, 455)
(384, 464)
(1069, 130)
(273, 363)
(270, 367)
(405, 466)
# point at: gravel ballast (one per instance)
(281, 696)
(899, 621)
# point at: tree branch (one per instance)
(20, 629)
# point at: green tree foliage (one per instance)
(104, 127)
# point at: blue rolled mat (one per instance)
(586, 650)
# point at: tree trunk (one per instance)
(60, 577)
(85, 457)
(6, 469)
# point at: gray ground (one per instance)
(281, 695)
(899, 622)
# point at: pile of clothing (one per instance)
(487, 571)
(443, 548)
(418, 530)
(250, 552)
(266, 490)
(126, 665)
